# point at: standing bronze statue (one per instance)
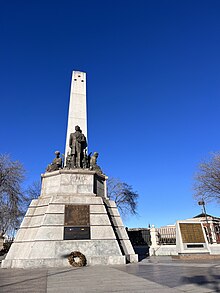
(77, 143)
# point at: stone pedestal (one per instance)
(43, 239)
(191, 238)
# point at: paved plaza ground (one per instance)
(159, 274)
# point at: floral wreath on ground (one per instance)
(77, 259)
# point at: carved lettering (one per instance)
(77, 215)
(192, 233)
(77, 178)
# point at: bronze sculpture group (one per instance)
(77, 158)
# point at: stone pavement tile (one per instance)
(18, 280)
(101, 279)
(200, 287)
(126, 278)
(205, 279)
(162, 261)
(192, 288)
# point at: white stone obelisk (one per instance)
(77, 106)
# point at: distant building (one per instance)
(211, 222)
(163, 239)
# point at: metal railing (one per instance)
(166, 235)
(139, 236)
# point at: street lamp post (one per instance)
(202, 203)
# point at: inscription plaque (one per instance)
(76, 233)
(76, 222)
(192, 233)
(77, 215)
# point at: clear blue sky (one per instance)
(153, 79)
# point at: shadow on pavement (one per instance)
(210, 281)
(39, 276)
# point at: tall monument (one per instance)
(77, 106)
(73, 222)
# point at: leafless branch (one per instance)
(123, 195)
(207, 179)
(11, 195)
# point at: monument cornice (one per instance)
(74, 171)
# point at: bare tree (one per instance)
(123, 195)
(207, 179)
(11, 195)
(33, 190)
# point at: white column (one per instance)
(77, 106)
(154, 237)
(154, 241)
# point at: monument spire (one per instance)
(77, 106)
